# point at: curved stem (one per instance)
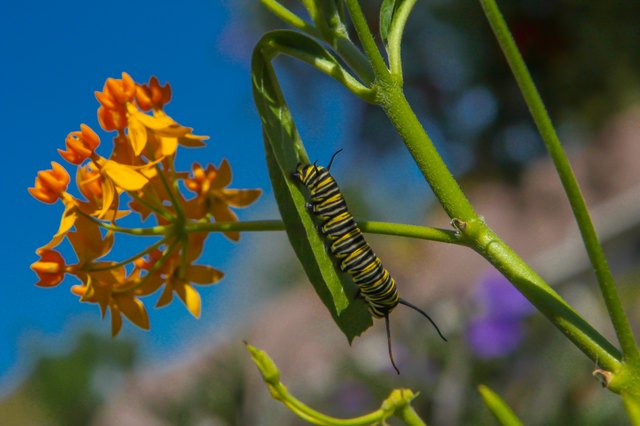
(396, 403)
(561, 162)
(290, 18)
(330, 67)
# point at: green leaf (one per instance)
(284, 150)
(498, 407)
(387, 10)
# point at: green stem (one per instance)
(290, 18)
(159, 211)
(561, 162)
(396, 403)
(395, 37)
(413, 231)
(435, 171)
(354, 58)
(502, 412)
(156, 266)
(172, 197)
(543, 297)
(247, 226)
(410, 417)
(367, 40)
(328, 65)
(128, 260)
(383, 228)
(484, 240)
(631, 402)
(318, 418)
(153, 231)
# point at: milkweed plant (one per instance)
(139, 177)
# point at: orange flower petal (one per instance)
(91, 138)
(133, 309)
(116, 321)
(106, 100)
(240, 197)
(202, 274)
(50, 268)
(224, 176)
(50, 184)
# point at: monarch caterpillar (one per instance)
(346, 243)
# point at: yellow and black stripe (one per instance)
(347, 244)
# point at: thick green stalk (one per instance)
(484, 241)
(561, 162)
(435, 171)
(631, 402)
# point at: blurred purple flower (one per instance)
(353, 397)
(498, 327)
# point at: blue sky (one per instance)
(55, 55)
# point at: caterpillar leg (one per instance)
(386, 323)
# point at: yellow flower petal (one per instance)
(191, 299)
(126, 177)
(164, 124)
(67, 221)
(192, 141)
(169, 145)
(137, 134)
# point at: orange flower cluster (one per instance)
(141, 166)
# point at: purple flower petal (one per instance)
(491, 337)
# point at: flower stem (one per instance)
(383, 228)
(413, 231)
(170, 191)
(561, 162)
(153, 231)
(128, 260)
